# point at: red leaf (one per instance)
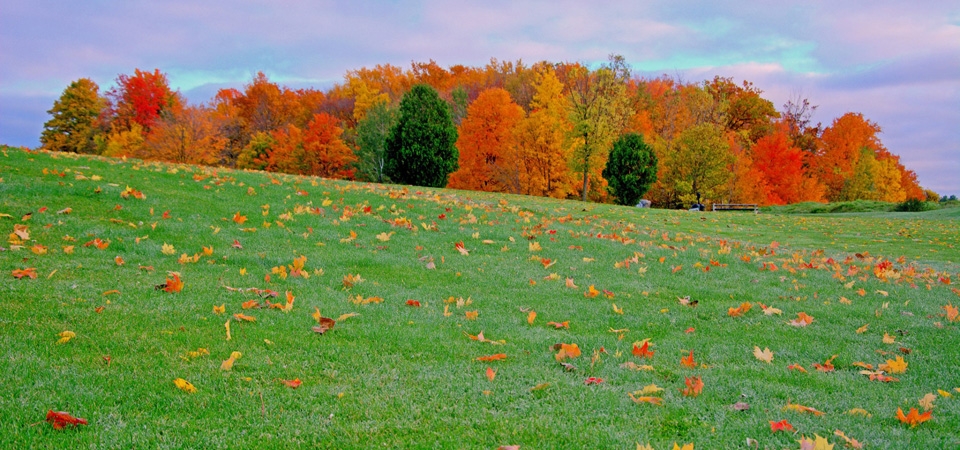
(61, 419)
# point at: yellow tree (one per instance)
(542, 147)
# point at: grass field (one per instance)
(396, 375)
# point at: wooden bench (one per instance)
(736, 207)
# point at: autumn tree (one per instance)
(73, 123)
(698, 165)
(543, 149)
(486, 140)
(318, 150)
(597, 111)
(784, 175)
(421, 147)
(843, 144)
(631, 169)
(372, 132)
(265, 106)
(186, 135)
(140, 99)
(254, 153)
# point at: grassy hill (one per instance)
(878, 286)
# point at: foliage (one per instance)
(486, 141)
(697, 165)
(916, 205)
(631, 169)
(372, 132)
(74, 119)
(569, 117)
(421, 147)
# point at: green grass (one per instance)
(396, 376)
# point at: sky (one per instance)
(896, 62)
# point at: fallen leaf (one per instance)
(642, 351)
(60, 420)
(593, 380)
(228, 363)
(852, 443)
(802, 409)
(646, 399)
(694, 386)
(764, 355)
(802, 320)
(531, 316)
(491, 374)
(185, 385)
(782, 425)
(914, 418)
(293, 384)
(494, 357)
(65, 336)
(687, 361)
(926, 402)
(897, 365)
(819, 443)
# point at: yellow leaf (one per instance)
(220, 309)
(185, 385)
(894, 366)
(644, 447)
(887, 339)
(860, 412)
(227, 326)
(685, 446)
(927, 401)
(617, 309)
(228, 364)
(531, 317)
(346, 316)
(863, 329)
(944, 393)
(168, 249)
(648, 389)
(764, 355)
(819, 443)
(65, 337)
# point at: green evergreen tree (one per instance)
(631, 169)
(420, 148)
(73, 125)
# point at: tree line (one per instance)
(561, 130)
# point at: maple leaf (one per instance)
(29, 272)
(292, 384)
(802, 320)
(914, 418)
(228, 364)
(818, 443)
(926, 402)
(694, 386)
(350, 280)
(769, 310)
(897, 365)
(244, 317)
(324, 323)
(764, 355)
(460, 248)
(414, 303)
(471, 315)
(827, 365)
(802, 409)
(887, 339)
(685, 446)
(591, 292)
(565, 351)
(648, 389)
(634, 366)
(185, 385)
(490, 373)
(782, 425)
(740, 310)
(239, 219)
(558, 325)
(953, 313)
(687, 361)
(593, 380)
(167, 249)
(531, 316)
(249, 304)
(646, 399)
(642, 351)
(172, 284)
(60, 419)
(570, 283)
(494, 357)
(852, 443)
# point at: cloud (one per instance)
(897, 62)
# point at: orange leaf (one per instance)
(591, 292)
(914, 418)
(651, 400)
(244, 317)
(558, 325)
(531, 317)
(643, 351)
(29, 272)
(495, 357)
(250, 304)
(687, 361)
(293, 384)
(802, 320)
(491, 374)
(694, 386)
(414, 303)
